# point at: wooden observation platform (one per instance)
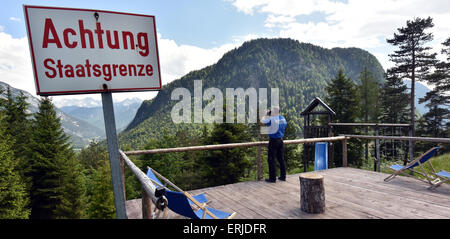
(349, 194)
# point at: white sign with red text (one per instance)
(78, 51)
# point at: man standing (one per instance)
(276, 126)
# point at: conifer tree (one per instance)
(343, 97)
(413, 59)
(51, 158)
(13, 197)
(369, 95)
(394, 100)
(101, 197)
(370, 105)
(228, 165)
(18, 125)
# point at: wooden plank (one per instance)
(386, 202)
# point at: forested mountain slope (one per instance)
(300, 71)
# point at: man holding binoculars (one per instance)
(277, 125)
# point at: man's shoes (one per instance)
(282, 179)
(269, 180)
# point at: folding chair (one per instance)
(418, 162)
(177, 200)
(442, 177)
(201, 198)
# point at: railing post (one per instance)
(258, 163)
(146, 206)
(376, 166)
(122, 172)
(344, 153)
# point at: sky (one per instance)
(194, 34)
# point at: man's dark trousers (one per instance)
(276, 150)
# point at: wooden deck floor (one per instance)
(349, 193)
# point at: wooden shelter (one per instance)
(313, 129)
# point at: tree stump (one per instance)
(312, 193)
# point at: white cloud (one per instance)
(14, 19)
(356, 23)
(15, 63)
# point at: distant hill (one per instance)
(93, 113)
(80, 131)
(420, 92)
(300, 71)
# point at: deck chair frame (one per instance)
(439, 180)
(201, 206)
(408, 168)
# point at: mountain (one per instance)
(80, 131)
(85, 102)
(124, 111)
(299, 70)
(420, 92)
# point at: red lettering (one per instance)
(141, 69)
(46, 61)
(83, 33)
(88, 68)
(49, 27)
(124, 38)
(123, 70)
(99, 33)
(66, 38)
(149, 70)
(60, 66)
(96, 69)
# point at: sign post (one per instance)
(83, 51)
(113, 152)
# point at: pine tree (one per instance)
(394, 100)
(228, 165)
(13, 196)
(343, 98)
(18, 125)
(101, 197)
(441, 76)
(51, 158)
(436, 115)
(370, 106)
(413, 60)
(369, 95)
(438, 100)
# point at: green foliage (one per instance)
(13, 196)
(228, 165)
(343, 98)
(54, 168)
(100, 193)
(369, 90)
(299, 70)
(394, 100)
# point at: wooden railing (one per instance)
(258, 144)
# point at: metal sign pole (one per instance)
(113, 151)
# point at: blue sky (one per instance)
(194, 34)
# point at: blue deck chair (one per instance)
(442, 177)
(182, 202)
(321, 156)
(179, 202)
(418, 162)
(201, 198)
